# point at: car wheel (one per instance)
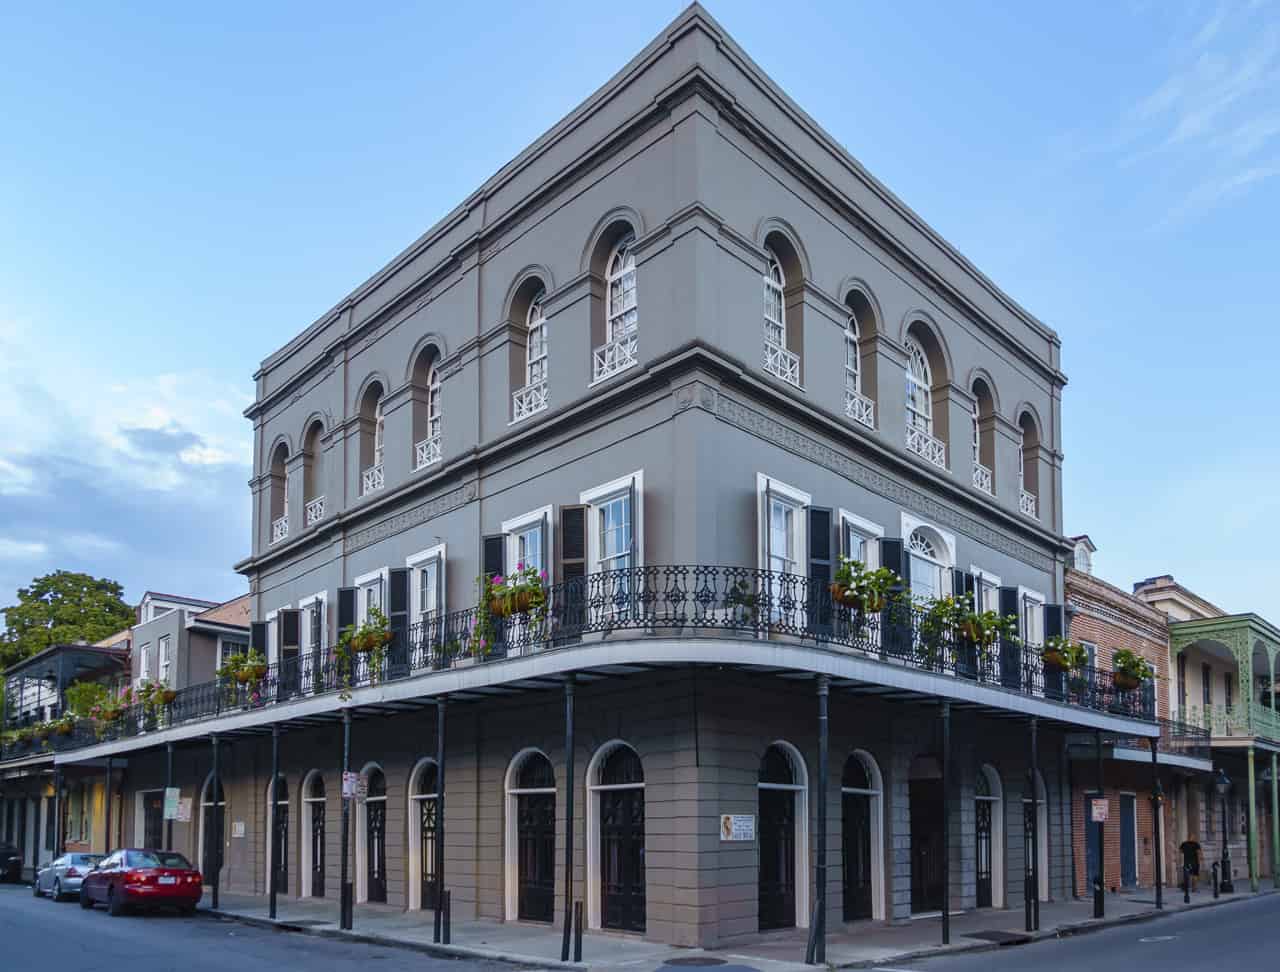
(57, 890)
(85, 901)
(115, 906)
(35, 887)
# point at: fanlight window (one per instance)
(536, 773)
(775, 325)
(622, 766)
(776, 767)
(981, 788)
(919, 387)
(377, 784)
(427, 781)
(536, 350)
(855, 775)
(623, 315)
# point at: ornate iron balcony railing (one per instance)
(619, 355)
(372, 479)
(926, 446)
(426, 452)
(982, 478)
(528, 400)
(279, 528)
(314, 511)
(860, 408)
(671, 602)
(1027, 503)
(781, 363)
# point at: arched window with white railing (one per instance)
(532, 398)
(372, 438)
(983, 437)
(278, 493)
(622, 313)
(922, 439)
(1028, 465)
(427, 420)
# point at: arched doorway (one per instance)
(862, 837)
(371, 841)
(782, 793)
(616, 839)
(531, 837)
(424, 802)
(313, 812)
(278, 835)
(213, 823)
(988, 806)
(1042, 835)
(927, 820)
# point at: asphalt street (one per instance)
(36, 933)
(1239, 935)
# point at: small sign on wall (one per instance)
(184, 810)
(737, 826)
(1098, 809)
(237, 828)
(171, 803)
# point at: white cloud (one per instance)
(21, 549)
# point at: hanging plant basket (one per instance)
(63, 728)
(873, 603)
(1126, 682)
(971, 630)
(1056, 661)
(167, 696)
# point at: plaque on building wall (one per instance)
(184, 810)
(237, 828)
(737, 826)
(171, 802)
(1098, 810)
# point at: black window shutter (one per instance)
(1010, 651)
(1054, 682)
(966, 589)
(317, 625)
(895, 623)
(494, 555)
(893, 554)
(258, 637)
(820, 569)
(963, 587)
(573, 568)
(398, 619)
(346, 608)
(290, 629)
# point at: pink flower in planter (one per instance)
(497, 580)
(542, 575)
(520, 566)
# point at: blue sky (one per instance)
(182, 190)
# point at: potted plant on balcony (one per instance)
(743, 602)
(1061, 654)
(939, 618)
(370, 640)
(1131, 670)
(64, 725)
(523, 592)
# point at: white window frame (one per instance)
(1027, 594)
(910, 524)
(379, 431)
(540, 360)
(273, 631)
(364, 581)
(622, 263)
(144, 663)
(599, 495)
(514, 527)
(767, 484)
(775, 331)
(981, 580)
(415, 563)
(164, 658)
(307, 605)
(868, 529)
(919, 418)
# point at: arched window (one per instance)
(862, 838)
(426, 409)
(533, 396)
(919, 388)
(313, 475)
(983, 439)
(857, 406)
(278, 835)
(622, 317)
(372, 431)
(988, 796)
(313, 838)
(783, 879)
(616, 896)
(775, 321)
(930, 568)
(279, 493)
(531, 838)
(424, 787)
(1028, 465)
(371, 840)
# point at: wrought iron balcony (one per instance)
(735, 603)
(371, 480)
(1027, 503)
(926, 446)
(528, 400)
(314, 511)
(982, 478)
(279, 528)
(860, 408)
(781, 363)
(1241, 720)
(619, 355)
(426, 452)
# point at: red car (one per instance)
(135, 878)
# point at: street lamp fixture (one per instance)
(1222, 784)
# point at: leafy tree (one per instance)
(60, 608)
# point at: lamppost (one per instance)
(1223, 784)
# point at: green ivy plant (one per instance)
(369, 639)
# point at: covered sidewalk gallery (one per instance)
(692, 813)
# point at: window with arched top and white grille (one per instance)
(919, 377)
(778, 360)
(929, 567)
(622, 316)
(428, 450)
(533, 396)
(857, 406)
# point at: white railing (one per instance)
(528, 400)
(860, 408)
(279, 528)
(781, 363)
(619, 355)
(1027, 503)
(927, 447)
(426, 452)
(315, 510)
(982, 478)
(371, 479)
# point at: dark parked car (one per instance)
(61, 878)
(10, 862)
(137, 878)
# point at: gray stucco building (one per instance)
(680, 354)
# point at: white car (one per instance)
(62, 878)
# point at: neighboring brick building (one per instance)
(1105, 619)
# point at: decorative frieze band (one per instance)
(393, 525)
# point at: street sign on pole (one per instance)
(171, 794)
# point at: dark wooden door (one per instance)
(856, 856)
(536, 850)
(926, 845)
(280, 850)
(213, 841)
(622, 881)
(777, 884)
(376, 849)
(1128, 840)
(317, 849)
(427, 851)
(982, 813)
(153, 820)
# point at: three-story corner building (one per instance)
(1222, 680)
(678, 356)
